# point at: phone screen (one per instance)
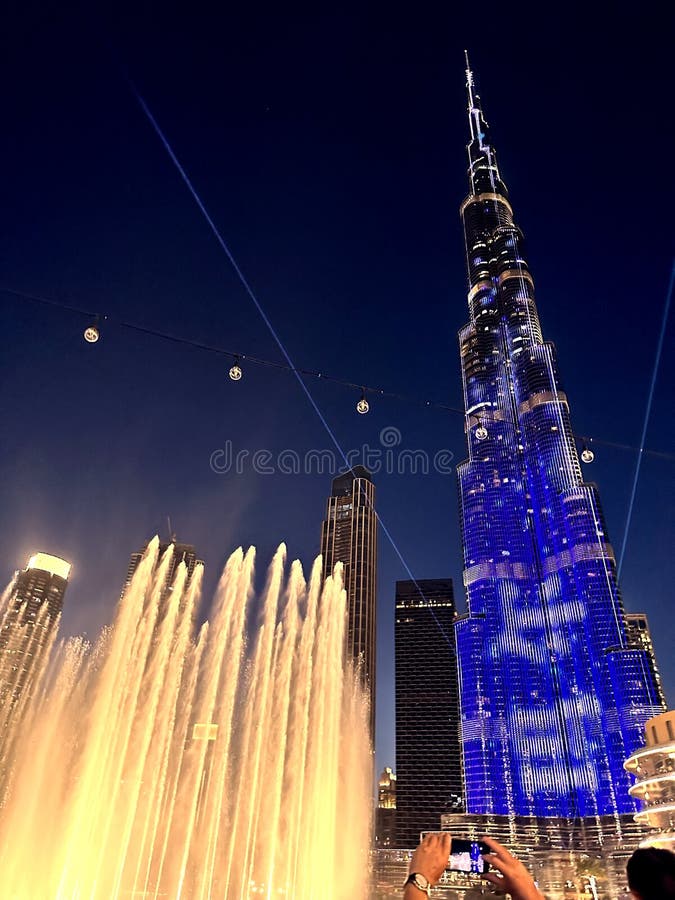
(466, 856)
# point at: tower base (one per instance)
(569, 859)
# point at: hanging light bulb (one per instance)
(91, 333)
(587, 455)
(481, 433)
(235, 372)
(363, 406)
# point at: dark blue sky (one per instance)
(329, 147)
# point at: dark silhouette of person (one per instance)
(651, 874)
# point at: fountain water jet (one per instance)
(160, 763)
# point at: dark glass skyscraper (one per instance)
(349, 536)
(554, 695)
(428, 757)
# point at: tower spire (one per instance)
(482, 157)
(469, 79)
(477, 123)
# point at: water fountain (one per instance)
(173, 761)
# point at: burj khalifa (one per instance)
(554, 696)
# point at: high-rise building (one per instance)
(639, 636)
(554, 694)
(28, 622)
(428, 757)
(386, 789)
(349, 536)
(181, 553)
(385, 814)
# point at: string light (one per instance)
(587, 455)
(235, 372)
(363, 406)
(92, 335)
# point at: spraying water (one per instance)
(166, 763)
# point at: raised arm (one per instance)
(513, 877)
(428, 862)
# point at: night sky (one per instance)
(329, 147)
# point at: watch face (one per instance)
(421, 882)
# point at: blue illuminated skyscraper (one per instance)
(554, 696)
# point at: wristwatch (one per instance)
(420, 882)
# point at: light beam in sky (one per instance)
(251, 293)
(650, 397)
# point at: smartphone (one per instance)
(466, 856)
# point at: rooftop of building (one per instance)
(342, 484)
(44, 562)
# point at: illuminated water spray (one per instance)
(164, 762)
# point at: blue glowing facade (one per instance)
(554, 696)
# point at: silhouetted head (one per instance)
(651, 874)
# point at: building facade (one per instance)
(428, 755)
(554, 694)
(385, 813)
(654, 769)
(181, 553)
(639, 636)
(28, 623)
(349, 536)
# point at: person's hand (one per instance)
(514, 877)
(431, 856)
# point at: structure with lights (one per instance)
(349, 536)
(28, 624)
(654, 770)
(385, 812)
(554, 694)
(639, 636)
